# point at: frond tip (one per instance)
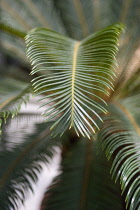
(75, 75)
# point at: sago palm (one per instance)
(90, 96)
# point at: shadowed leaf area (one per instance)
(85, 182)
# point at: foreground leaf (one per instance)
(75, 75)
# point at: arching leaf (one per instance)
(75, 75)
(120, 139)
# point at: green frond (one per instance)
(85, 182)
(13, 94)
(21, 166)
(75, 75)
(120, 139)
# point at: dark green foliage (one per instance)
(85, 182)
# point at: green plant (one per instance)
(92, 106)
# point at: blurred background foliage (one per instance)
(21, 150)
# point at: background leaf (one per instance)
(85, 182)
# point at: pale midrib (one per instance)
(75, 53)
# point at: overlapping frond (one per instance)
(75, 75)
(21, 166)
(13, 94)
(85, 182)
(120, 138)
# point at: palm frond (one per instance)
(75, 75)
(85, 182)
(20, 167)
(120, 138)
(13, 94)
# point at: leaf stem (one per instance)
(12, 31)
(76, 47)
